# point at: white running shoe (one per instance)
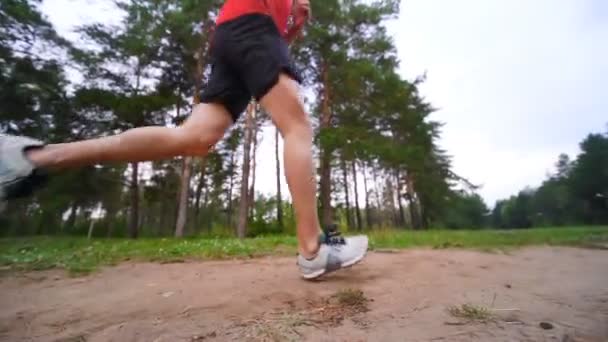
(335, 252)
(18, 176)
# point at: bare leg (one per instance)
(287, 112)
(202, 130)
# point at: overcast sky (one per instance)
(516, 81)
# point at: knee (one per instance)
(287, 109)
(299, 126)
(304, 129)
(195, 143)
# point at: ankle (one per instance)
(309, 250)
(34, 155)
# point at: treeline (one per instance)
(379, 163)
(576, 194)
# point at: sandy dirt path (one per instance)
(404, 296)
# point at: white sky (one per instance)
(517, 81)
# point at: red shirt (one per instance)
(279, 10)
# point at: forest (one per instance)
(380, 164)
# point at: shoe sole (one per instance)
(315, 275)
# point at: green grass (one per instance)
(470, 312)
(78, 255)
(491, 239)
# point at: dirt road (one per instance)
(403, 296)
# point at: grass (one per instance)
(491, 239)
(352, 298)
(79, 255)
(470, 313)
(342, 304)
(284, 326)
(279, 328)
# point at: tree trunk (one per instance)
(230, 189)
(278, 166)
(376, 191)
(401, 221)
(253, 161)
(184, 187)
(161, 218)
(241, 229)
(391, 192)
(424, 220)
(167, 211)
(349, 220)
(143, 213)
(182, 213)
(91, 226)
(110, 219)
(326, 210)
(199, 190)
(368, 211)
(69, 224)
(413, 204)
(206, 205)
(357, 209)
(134, 218)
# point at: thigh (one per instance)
(208, 119)
(264, 62)
(285, 107)
(226, 88)
(258, 53)
(207, 125)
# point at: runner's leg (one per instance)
(287, 112)
(201, 130)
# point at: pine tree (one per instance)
(124, 60)
(244, 199)
(278, 177)
(343, 30)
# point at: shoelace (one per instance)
(332, 237)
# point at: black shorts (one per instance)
(247, 56)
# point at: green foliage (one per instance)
(576, 194)
(466, 211)
(589, 179)
(31, 82)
